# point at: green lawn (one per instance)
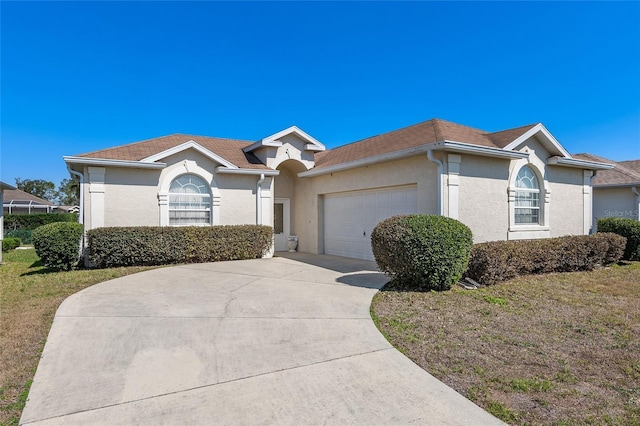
(561, 349)
(29, 297)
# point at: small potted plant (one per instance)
(292, 243)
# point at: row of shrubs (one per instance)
(502, 260)
(433, 252)
(109, 247)
(58, 244)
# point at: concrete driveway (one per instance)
(268, 341)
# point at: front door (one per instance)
(281, 224)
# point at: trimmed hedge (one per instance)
(628, 228)
(422, 252)
(32, 221)
(24, 235)
(138, 246)
(58, 244)
(503, 260)
(10, 243)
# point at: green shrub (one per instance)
(58, 244)
(10, 243)
(422, 252)
(628, 228)
(503, 260)
(130, 246)
(32, 221)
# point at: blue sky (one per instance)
(81, 76)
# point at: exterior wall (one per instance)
(309, 192)
(131, 197)
(614, 202)
(483, 204)
(567, 201)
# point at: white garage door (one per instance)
(349, 217)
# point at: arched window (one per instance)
(527, 201)
(189, 201)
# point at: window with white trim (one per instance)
(189, 201)
(527, 200)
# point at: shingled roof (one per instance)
(624, 173)
(425, 133)
(229, 149)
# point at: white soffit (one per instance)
(547, 137)
(189, 145)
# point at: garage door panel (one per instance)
(349, 218)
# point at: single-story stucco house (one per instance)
(512, 184)
(616, 192)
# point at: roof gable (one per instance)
(185, 146)
(544, 136)
(311, 144)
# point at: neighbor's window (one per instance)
(527, 206)
(189, 201)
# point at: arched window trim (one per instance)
(527, 197)
(187, 167)
(189, 201)
(529, 230)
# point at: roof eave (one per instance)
(580, 164)
(103, 162)
(465, 148)
(239, 171)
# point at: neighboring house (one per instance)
(513, 184)
(3, 187)
(616, 192)
(17, 201)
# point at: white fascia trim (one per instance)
(539, 128)
(189, 145)
(113, 163)
(237, 171)
(466, 148)
(312, 143)
(396, 155)
(581, 164)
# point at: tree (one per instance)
(38, 187)
(68, 193)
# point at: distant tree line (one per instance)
(66, 194)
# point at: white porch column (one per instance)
(96, 195)
(266, 208)
(587, 202)
(453, 177)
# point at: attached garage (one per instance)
(349, 217)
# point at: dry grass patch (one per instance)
(548, 349)
(29, 297)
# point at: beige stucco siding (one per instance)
(566, 206)
(237, 199)
(131, 197)
(416, 170)
(614, 202)
(483, 203)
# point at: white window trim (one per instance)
(178, 169)
(529, 231)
